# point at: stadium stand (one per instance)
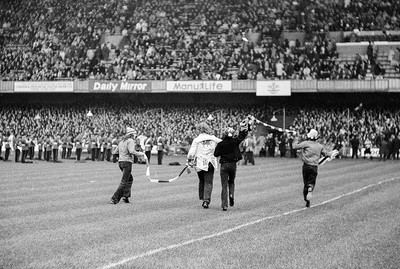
(178, 40)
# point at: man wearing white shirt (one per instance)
(279, 70)
(8, 141)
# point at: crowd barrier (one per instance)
(260, 87)
(183, 149)
(340, 36)
(352, 48)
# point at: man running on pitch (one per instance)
(311, 152)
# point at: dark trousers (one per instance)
(206, 179)
(248, 156)
(31, 152)
(98, 154)
(382, 155)
(24, 155)
(48, 155)
(355, 152)
(124, 188)
(115, 158)
(263, 152)
(69, 152)
(40, 154)
(63, 152)
(271, 151)
(93, 154)
(7, 154)
(108, 155)
(55, 155)
(17, 153)
(228, 175)
(160, 154)
(310, 173)
(78, 154)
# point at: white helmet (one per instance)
(312, 134)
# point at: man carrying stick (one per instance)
(201, 156)
(126, 151)
(311, 152)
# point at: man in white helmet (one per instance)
(311, 152)
(126, 151)
(201, 156)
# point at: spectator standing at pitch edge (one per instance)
(7, 145)
(201, 155)
(249, 146)
(229, 152)
(17, 147)
(148, 145)
(39, 142)
(48, 148)
(109, 148)
(282, 146)
(311, 151)
(355, 144)
(1, 144)
(55, 144)
(160, 148)
(396, 147)
(367, 151)
(114, 145)
(25, 148)
(271, 144)
(126, 149)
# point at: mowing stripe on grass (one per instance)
(155, 251)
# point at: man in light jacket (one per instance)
(201, 156)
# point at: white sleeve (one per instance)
(193, 149)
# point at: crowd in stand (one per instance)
(53, 127)
(177, 40)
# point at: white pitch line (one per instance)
(155, 251)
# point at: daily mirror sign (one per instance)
(273, 88)
(119, 86)
(199, 86)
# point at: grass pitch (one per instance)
(57, 215)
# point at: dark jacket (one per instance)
(355, 142)
(228, 148)
(396, 144)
